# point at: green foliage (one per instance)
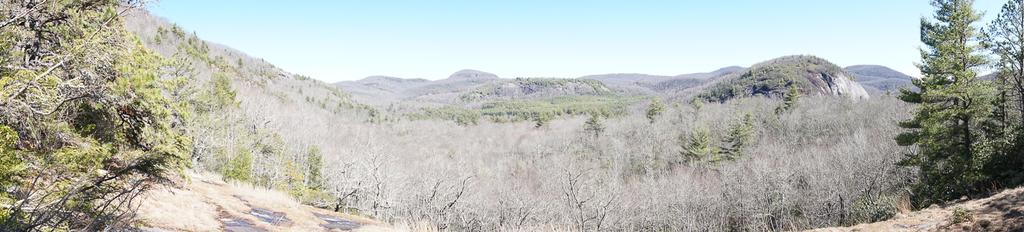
(1005, 39)
(10, 164)
(520, 110)
(961, 215)
(952, 106)
(655, 109)
(869, 208)
(697, 146)
(789, 100)
(375, 116)
(463, 117)
(740, 137)
(85, 113)
(314, 167)
(542, 119)
(773, 77)
(594, 125)
(240, 167)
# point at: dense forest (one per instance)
(102, 104)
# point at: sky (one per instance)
(337, 40)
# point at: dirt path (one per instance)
(209, 204)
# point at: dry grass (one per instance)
(1001, 212)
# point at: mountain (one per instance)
(382, 90)
(474, 75)
(653, 84)
(811, 75)
(466, 86)
(879, 79)
(377, 89)
(532, 88)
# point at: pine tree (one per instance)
(314, 169)
(240, 167)
(697, 104)
(655, 109)
(594, 126)
(790, 99)
(697, 147)
(952, 105)
(741, 135)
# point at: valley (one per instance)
(114, 118)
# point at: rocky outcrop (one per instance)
(810, 75)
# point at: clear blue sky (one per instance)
(334, 40)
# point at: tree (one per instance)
(594, 126)
(314, 166)
(697, 147)
(952, 106)
(240, 167)
(542, 119)
(741, 135)
(1005, 38)
(83, 110)
(790, 99)
(655, 109)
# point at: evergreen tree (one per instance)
(741, 135)
(790, 99)
(594, 126)
(697, 104)
(655, 109)
(83, 111)
(952, 106)
(314, 166)
(697, 147)
(240, 167)
(1005, 38)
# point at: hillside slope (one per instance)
(811, 75)
(277, 112)
(1000, 212)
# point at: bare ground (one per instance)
(1000, 212)
(206, 203)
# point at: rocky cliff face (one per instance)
(841, 85)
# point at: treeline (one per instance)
(969, 132)
(539, 111)
(88, 119)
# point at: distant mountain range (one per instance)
(814, 76)
(879, 79)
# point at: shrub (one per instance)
(961, 215)
(240, 167)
